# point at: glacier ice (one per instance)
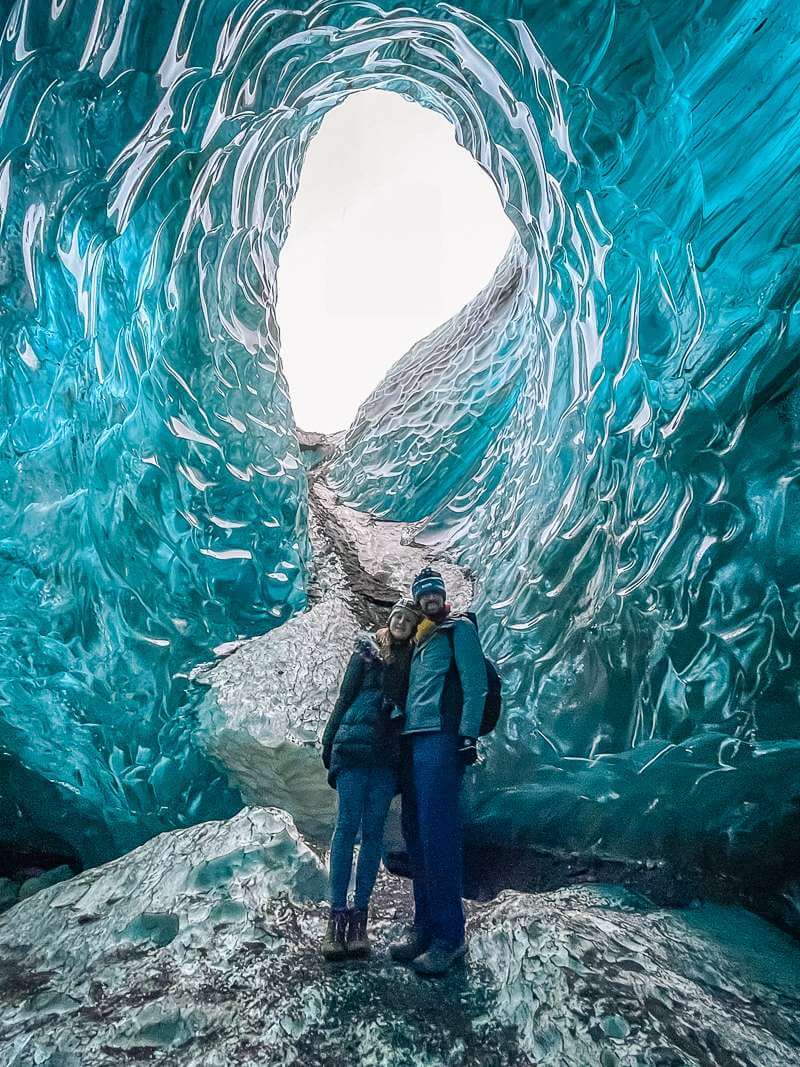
(268, 700)
(199, 949)
(607, 437)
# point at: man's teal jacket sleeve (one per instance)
(472, 672)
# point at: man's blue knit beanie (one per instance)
(427, 581)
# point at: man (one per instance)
(446, 696)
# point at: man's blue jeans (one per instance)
(365, 794)
(431, 779)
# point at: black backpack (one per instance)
(494, 694)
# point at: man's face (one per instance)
(431, 604)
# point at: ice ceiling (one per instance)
(614, 451)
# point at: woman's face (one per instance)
(402, 625)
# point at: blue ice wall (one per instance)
(632, 519)
(619, 410)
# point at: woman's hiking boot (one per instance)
(334, 943)
(438, 959)
(357, 939)
(413, 944)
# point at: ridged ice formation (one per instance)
(617, 415)
(200, 949)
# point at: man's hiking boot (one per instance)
(357, 939)
(438, 959)
(334, 943)
(413, 945)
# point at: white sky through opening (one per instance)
(394, 229)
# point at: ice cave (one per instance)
(603, 446)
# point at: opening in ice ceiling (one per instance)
(394, 229)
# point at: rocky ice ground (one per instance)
(201, 946)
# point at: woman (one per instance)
(360, 749)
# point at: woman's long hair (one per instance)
(392, 649)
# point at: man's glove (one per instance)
(468, 750)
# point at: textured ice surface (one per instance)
(269, 700)
(425, 430)
(631, 512)
(608, 435)
(201, 948)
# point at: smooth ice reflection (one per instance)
(607, 435)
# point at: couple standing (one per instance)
(408, 715)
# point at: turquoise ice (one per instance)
(608, 435)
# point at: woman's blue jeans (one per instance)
(365, 794)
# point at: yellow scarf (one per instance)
(425, 630)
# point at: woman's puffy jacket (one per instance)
(360, 731)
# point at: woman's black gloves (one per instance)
(468, 750)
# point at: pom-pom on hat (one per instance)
(427, 581)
